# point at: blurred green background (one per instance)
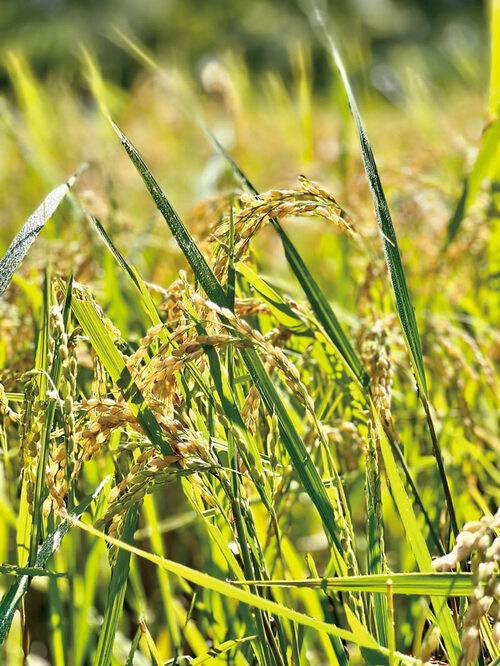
(187, 32)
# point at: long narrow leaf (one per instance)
(11, 569)
(19, 247)
(189, 248)
(487, 164)
(419, 548)
(235, 593)
(116, 593)
(435, 584)
(403, 302)
(404, 305)
(18, 589)
(114, 250)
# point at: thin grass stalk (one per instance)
(41, 364)
(376, 551)
(116, 593)
(392, 633)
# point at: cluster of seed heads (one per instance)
(173, 296)
(309, 199)
(243, 307)
(274, 358)
(167, 360)
(375, 355)
(477, 537)
(347, 430)
(151, 468)
(63, 458)
(145, 468)
(250, 410)
(108, 415)
(273, 355)
(30, 427)
(6, 412)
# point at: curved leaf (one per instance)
(19, 247)
(18, 589)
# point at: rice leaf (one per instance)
(217, 650)
(116, 593)
(419, 549)
(487, 160)
(134, 646)
(153, 650)
(150, 515)
(208, 582)
(19, 247)
(375, 536)
(189, 248)
(29, 524)
(404, 305)
(425, 584)
(278, 306)
(12, 570)
(114, 250)
(41, 365)
(18, 589)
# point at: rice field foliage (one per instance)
(265, 432)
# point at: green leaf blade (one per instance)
(19, 247)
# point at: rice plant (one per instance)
(264, 432)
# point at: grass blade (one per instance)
(375, 535)
(419, 548)
(18, 589)
(116, 593)
(404, 305)
(114, 250)
(229, 590)
(215, 651)
(487, 164)
(11, 569)
(423, 584)
(19, 247)
(189, 248)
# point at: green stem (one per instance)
(439, 458)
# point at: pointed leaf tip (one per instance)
(19, 247)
